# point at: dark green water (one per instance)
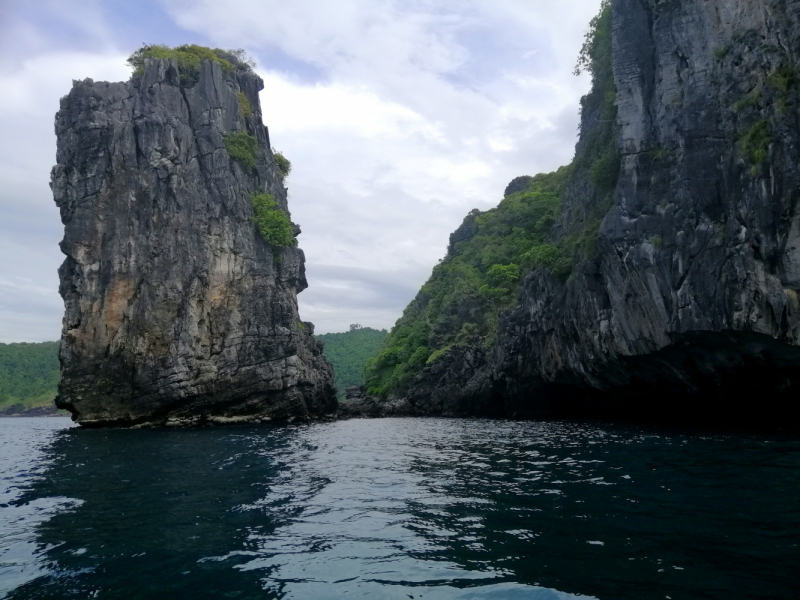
(396, 508)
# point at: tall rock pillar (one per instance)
(177, 310)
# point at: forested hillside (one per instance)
(536, 225)
(28, 375)
(349, 352)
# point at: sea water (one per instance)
(396, 508)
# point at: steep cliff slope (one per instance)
(684, 294)
(182, 271)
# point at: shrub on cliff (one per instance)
(272, 222)
(241, 146)
(245, 109)
(238, 58)
(755, 144)
(284, 166)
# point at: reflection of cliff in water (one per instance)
(612, 512)
(412, 508)
(154, 505)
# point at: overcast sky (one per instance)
(399, 117)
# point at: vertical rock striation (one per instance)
(176, 309)
(691, 303)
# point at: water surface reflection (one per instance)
(403, 508)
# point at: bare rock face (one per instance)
(177, 310)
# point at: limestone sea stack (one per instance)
(178, 308)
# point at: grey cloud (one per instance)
(379, 289)
(344, 295)
(28, 312)
(24, 325)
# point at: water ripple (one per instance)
(396, 508)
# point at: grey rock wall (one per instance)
(176, 310)
(692, 301)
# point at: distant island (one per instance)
(28, 379)
(350, 351)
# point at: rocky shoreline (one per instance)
(36, 411)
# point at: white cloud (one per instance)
(403, 132)
(30, 227)
(398, 117)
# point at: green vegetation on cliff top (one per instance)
(481, 275)
(349, 351)
(29, 375)
(189, 57)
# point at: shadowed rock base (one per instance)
(702, 380)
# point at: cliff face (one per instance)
(692, 300)
(177, 310)
(689, 299)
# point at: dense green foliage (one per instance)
(481, 276)
(272, 222)
(349, 351)
(241, 146)
(284, 165)
(29, 374)
(461, 301)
